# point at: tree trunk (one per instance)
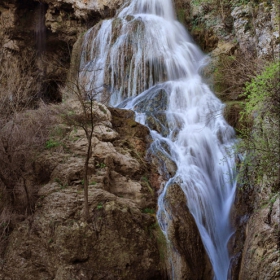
(86, 207)
(88, 155)
(29, 208)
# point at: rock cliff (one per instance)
(249, 25)
(45, 32)
(122, 239)
(260, 256)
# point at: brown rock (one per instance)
(119, 241)
(260, 258)
(114, 244)
(187, 250)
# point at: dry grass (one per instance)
(19, 82)
(22, 136)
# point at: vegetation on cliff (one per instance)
(260, 139)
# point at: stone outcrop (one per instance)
(45, 32)
(253, 27)
(242, 210)
(260, 257)
(69, 18)
(190, 260)
(117, 243)
(83, 8)
(122, 239)
(64, 20)
(257, 28)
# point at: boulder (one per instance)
(56, 244)
(121, 239)
(190, 260)
(260, 257)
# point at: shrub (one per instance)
(19, 82)
(51, 143)
(149, 211)
(232, 72)
(260, 141)
(22, 136)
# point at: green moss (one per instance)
(181, 15)
(161, 240)
(146, 183)
(51, 143)
(99, 206)
(131, 123)
(149, 211)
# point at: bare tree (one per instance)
(23, 133)
(85, 93)
(19, 81)
(22, 137)
(233, 72)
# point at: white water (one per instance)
(131, 57)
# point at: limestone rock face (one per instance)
(83, 7)
(257, 28)
(44, 32)
(188, 253)
(260, 258)
(68, 18)
(121, 240)
(242, 210)
(56, 244)
(254, 27)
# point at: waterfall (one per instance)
(40, 29)
(144, 60)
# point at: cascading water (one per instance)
(40, 29)
(144, 60)
(40, 36)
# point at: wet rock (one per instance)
(187, 250)
(241, 211)
(158, 122)
(162, 158)
(153, 100)
(154, 104)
